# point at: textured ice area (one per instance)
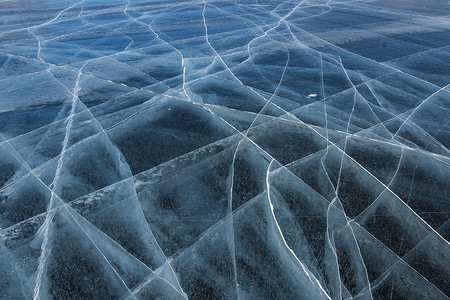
(224, 149)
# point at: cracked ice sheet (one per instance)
(224, 149)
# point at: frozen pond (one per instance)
(224, 149)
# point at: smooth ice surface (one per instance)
(224, 149)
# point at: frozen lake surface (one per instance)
(224, 149)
